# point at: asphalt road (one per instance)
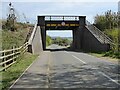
(59, 68)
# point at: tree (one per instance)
(48, 40)
(61, 41)
(100, 22)
(109, 23)
(109, 20)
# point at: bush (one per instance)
(112, 54)
(114, 35)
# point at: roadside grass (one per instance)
(12, 73)
(113, 54)
(97, 54)
(110, 55)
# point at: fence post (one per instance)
(4, 59)
(18, 58)
(27, 47)
(13, 52)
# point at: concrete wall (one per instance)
(76, 39)
(35, 45)
(43, 34)
(91, 43)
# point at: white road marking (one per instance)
(109, 78)
(79, 59)
(115, 81)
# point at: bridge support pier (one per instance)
(41, 23)
(76, 39)
(78, 34)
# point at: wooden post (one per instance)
(26, 46)
(13, 53)
(19, 54)
(4, 59)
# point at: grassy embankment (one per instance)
(14, 38)
(10, 39)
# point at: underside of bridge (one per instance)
(83, 38)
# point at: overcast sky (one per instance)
(33, 8)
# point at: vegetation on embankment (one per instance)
(12, 73)
(10, 39)
(102, 56)
(110, 54)
(115, 48)
(109, 24)
(14, 38)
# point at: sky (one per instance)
(119, 6)
(33, 8)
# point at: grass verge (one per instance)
(13, 72)
(110, 55)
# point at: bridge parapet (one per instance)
(33, 34)
(62, 18)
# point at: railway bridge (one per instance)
(86, 36)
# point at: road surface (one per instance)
(67, 69)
